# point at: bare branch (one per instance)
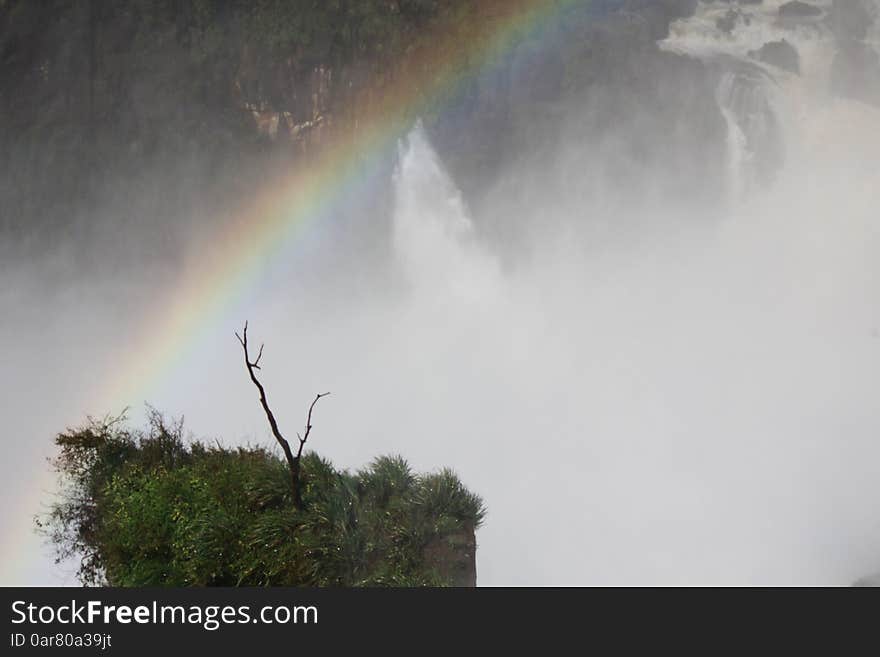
(305, 437)
(293, 461)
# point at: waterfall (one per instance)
(752, 132)
(702, 388)
(433, 233)
(770, 67)
(664, 387)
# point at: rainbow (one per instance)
(272, 223)
(269, 225)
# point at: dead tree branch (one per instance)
(308, 430)
(293, 461)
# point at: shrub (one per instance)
(147, 508)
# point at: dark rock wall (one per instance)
(120, 124)
(856, 67)
(595, 75)
(454, 557)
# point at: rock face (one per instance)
(596, 76)
(781, 54)
(731, 19)
(658, 13)
(454, 558)
(851, 19)
(855, 71)
(798, 9)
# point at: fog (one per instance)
(646, 386)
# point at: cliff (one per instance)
(145, 508)
(151, 112)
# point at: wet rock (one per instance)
(603, 55)
(453, 557)
(730, 20)
(780, 54)
(855, 72)
(798, 9)
(657, 14)
(851, 19)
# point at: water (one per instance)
(653, 396)
(671, 403)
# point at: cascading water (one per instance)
(432, 232)
(673, 402)
(752, 132)
(661, 392)
(769, 65)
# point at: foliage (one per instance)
(148, 509)
(179, 103)
(95, 93)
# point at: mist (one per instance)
(653, 369)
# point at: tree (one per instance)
(149, 508)
(293, 461)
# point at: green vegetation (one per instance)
(187, 107)
(147, 508)
(96, 93)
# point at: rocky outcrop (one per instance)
(731, 19)
(851, 19)
(855, 71)
(781, 54)
(798, 9)
(597, 76)
(453, 557)
(659, 13)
